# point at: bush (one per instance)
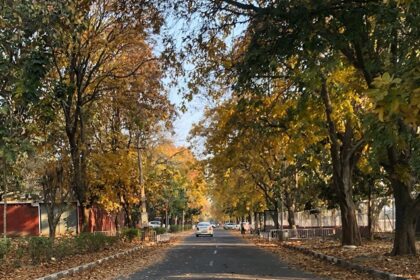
(64, 247)
(175, 228)
(40, 249)
(130, 234)
(4, 247)
(92, 242)
(160, 230)
(18, 256)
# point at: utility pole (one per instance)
(144, 221)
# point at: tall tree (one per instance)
(377, 38)
(88, 45)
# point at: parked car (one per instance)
(237, 227)
(228, 226)
(155, 224)
(204, 228)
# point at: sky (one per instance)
(195, 108)
(184, 122)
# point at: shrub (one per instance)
(40, 249)
(177, 228)
(130, 234)
(160, 230)
(4, 247)
(110, 240)
(17, 256)
(92, 242)
(64, 247)
(188, 227)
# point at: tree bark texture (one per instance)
(406, 212)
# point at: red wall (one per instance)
(22, 219)
(100, 220)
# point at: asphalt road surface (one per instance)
(224, 256)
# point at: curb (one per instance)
(347, 264)
(87, 266)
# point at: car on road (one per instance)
(228, 226)
(155, 224)
(204, 228)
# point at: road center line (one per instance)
(215, 252)
(211, 263)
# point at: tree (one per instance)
(56, 193)
(88, 46)
(376, 38)
(176, 185)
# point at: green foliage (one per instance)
(64, 247)
(130, 234)
(4, 247)
(178, 228)
(160, 230)
(40, 249)
(93, 242)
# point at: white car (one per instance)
(204, 228)
(155, 224)
(229, 226)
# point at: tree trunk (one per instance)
(406, 217)
(291, 218)
(54, 215)
(275, 216)
(345, 155)
(370, 215)
(289, 202)
(116, 222)
(350, 229)
(127, 214)
(166, 218)
(52, 229)
(407, 208)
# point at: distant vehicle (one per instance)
(204, 228)
(228, 226)
(237, 227)
(214, 225)
(155, 224)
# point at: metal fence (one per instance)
(165, 237)
(332, 218)
(300, 233)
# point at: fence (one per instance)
(332, 218)
(165, 237)
(278, 234)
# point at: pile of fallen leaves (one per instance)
(16, 266)
(20, 267)
(308, 263)
(374, 254)
(127, 265)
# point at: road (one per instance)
(224, 256)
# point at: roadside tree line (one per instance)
(317, 103)
(84, 113)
